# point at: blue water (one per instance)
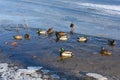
(97, 17)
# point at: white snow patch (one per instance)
(96, 76)
(3, 67)
(8, 72)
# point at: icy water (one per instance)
(43, 50)
(101, 19)
(98, 17)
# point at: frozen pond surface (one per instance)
(98, 18)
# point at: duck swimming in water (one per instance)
(65, 53)
(105, 52)
(61, 36)
(39, 31)
(17, 37)
(82, 39)
(27, 36)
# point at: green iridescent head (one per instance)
(62, 50)
(38, 30)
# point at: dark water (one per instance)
(43, 50)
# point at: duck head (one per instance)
(61, 50)
(71, 25)
(38, 30)
(27, 36)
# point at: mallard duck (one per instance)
(39, 31)
(105, 52)
(65, 53)
(112, 42)
(17, 37)
(27, 36)
(61, 35)
(50, 31)
(82, 39)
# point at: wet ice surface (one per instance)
(98, 18)
(43, 50)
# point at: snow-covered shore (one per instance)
(12, 72)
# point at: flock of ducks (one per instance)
(49, 31)
(61, 35)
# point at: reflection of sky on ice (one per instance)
(92, 18)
